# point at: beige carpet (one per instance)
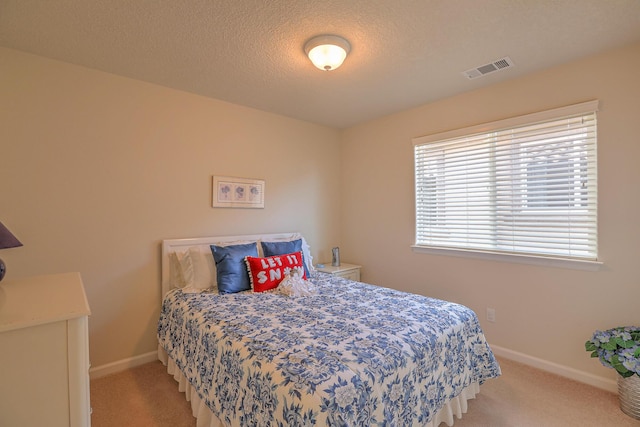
(521, 397)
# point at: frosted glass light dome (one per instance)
(327, 52)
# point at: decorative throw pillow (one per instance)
(284, 247)
(267, 273)
(231, 273)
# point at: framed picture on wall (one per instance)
(232, 192)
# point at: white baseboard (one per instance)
(121, 365)
(554, 368)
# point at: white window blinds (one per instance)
(525, 185)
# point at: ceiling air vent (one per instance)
(482, 70)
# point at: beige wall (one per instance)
(96, 169)
(544, 312)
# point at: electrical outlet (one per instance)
(491, 314)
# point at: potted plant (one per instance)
(619, 348)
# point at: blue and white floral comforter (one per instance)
(351, 355)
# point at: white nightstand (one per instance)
(44, 352)
(348, 271)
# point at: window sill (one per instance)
(512, 258)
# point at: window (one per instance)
(524, 186)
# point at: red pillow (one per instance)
(267, 273)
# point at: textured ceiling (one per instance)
(250, 52)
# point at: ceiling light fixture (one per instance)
(327, 52)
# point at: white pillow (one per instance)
(176, 279)
(204, 273)
(306, 251)
(184, 268)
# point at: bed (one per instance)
(349, 354)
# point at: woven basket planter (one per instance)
(629, 395)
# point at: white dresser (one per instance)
(44, 352)
(348, 271)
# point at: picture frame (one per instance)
(232, 192)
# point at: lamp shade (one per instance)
(327, 52)
(7, 240)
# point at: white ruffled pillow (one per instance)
(294, 285)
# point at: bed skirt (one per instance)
(205, 418)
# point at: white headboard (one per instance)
(173, 245)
